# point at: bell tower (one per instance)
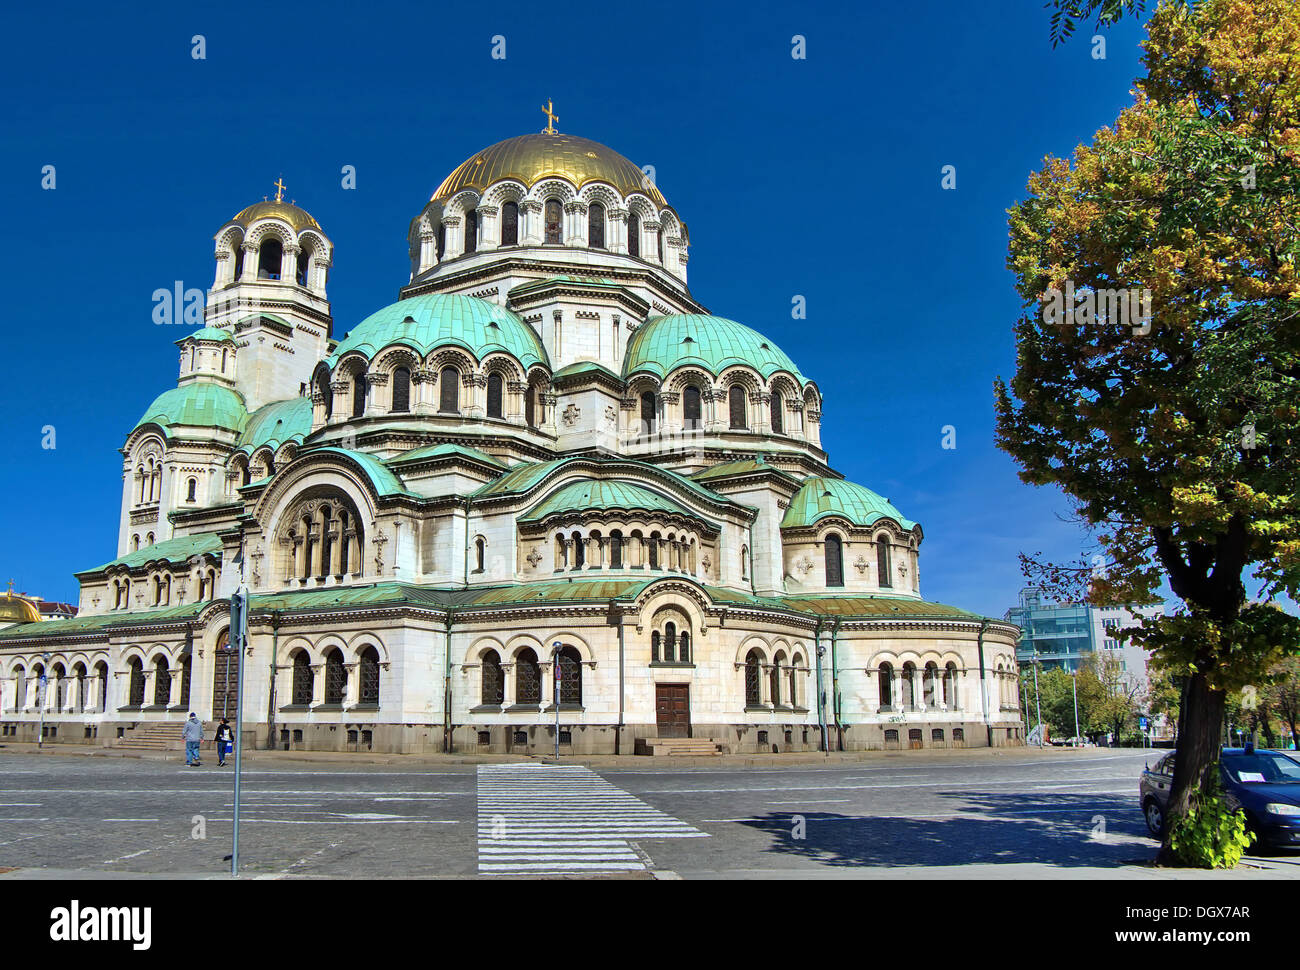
(273, 261)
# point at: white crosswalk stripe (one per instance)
(537, 819)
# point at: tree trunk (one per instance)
(1199, 722)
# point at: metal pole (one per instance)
(1076, 704)
(238, 638)
(225, 690)
(1038, 700)
(556, 664)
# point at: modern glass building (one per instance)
(1058, 634)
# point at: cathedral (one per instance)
(544, 492)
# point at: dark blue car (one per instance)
(1263, 784)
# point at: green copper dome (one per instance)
(200, 404)
(819, 497)
(440, 320)
(663, 344)
(209, 333)
(275, 423)
(590, 496)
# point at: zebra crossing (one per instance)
(540, 819)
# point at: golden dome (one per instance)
(298, 218)
(15, 609)
(531, 158)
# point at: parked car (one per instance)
(1263, 784)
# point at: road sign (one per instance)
(1142, 723)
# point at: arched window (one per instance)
(60, 678)
(570, 677)
(882, 562)
(186, 665)
(162, 682)
(336, 677)
(670, 642)
(579, 551)
(495, 386)
(753, 679)
(648, 412)
(691, 411)
(774, 678)
(616, 549)
(449, 391)
(633, 234)
(553, 217)
(950, 686)
(528, 678)
(736, 403)
(304, 261)
(659, 238)
(270, 255)
(326, 395)
(480, 552)
(304, 686)
(493, 686)
(359, 394)
(596, 226)
(684, 647)
(744, 562)
(794, 679)
(471, 230)
(886, 682)
(20, 688)
(442, 240)
(930, 685)
(101, 675)
(401, 389)
(368, 677)
(834, 561)
(510, 224)
(778, 421)
(192, 490)
(909, 685)
(79, 672)
(530, 409)
(224, 356)
(655, 642)
(238, 247)
(653, 554)
(135, 689)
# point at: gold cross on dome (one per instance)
(279, 189)
(10, 594)
(551, 119)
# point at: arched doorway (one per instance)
(225, 678)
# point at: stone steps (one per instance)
(152, 737)
(681, 747)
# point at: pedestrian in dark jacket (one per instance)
(225, 737)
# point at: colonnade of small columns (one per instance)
(291, 255)
(574, 233)
(325, 544)
(933, 688)
(593, 549)
(715, 413)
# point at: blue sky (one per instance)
(818, 177)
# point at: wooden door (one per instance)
(673, 710)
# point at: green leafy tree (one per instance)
(1164, 695)
(1176, 434)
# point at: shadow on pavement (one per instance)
(988, 828)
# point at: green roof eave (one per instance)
(444, 450)
(384, 480)
(169, 550)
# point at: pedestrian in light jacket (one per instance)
(193, 735)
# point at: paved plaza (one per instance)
(1010, 813)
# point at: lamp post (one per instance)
(41, 691)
